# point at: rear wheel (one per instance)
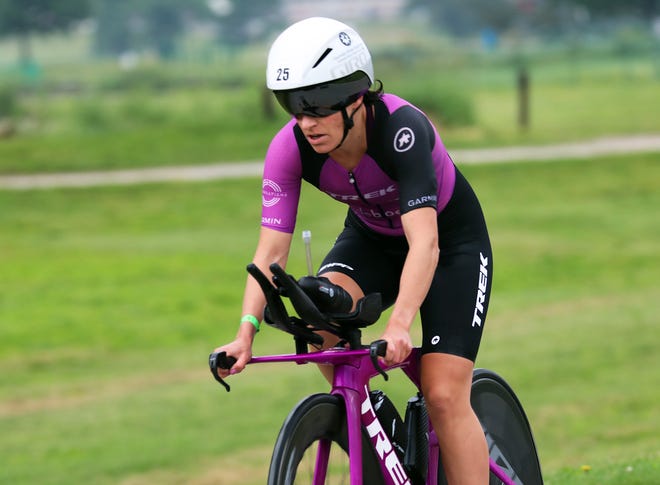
(509, 436)
(317, 427)
(508, 433)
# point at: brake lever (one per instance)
(223, 361)
(378, 348)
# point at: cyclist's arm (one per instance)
(412, 163)
(280, 198)
(273, 247)
(420, 226)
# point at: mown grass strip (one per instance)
(111, 299)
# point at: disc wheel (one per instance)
(508, 434)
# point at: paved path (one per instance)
(585, 149)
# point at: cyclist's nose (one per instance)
(306, 121)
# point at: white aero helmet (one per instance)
(318, 66)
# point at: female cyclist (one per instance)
(414, 231)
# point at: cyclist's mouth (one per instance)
(315, 139)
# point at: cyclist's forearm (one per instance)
(273, 247)
(254, 303)
(414, 285)
(253, 299)
(419, 267)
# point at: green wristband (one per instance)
(252, 319)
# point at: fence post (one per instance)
(523, 97)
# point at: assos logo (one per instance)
(404, 139)
(271, 193)
(382, 443)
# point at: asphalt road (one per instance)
(584, 149)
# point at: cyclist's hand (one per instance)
(399, 344)
(241, 350)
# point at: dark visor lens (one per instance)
(322, 99)
(308, 102)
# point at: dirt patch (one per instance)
(583, 149)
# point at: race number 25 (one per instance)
(283, 74)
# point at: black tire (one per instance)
(510, 441)
(317, 417)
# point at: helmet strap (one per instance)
(348, 123)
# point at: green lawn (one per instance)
(111, 299)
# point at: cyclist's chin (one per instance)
(323, 144)
(323, 151)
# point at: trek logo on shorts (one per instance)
(481, 291)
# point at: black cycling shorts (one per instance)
(454, 311)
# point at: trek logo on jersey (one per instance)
(404, 139)
(481, 291)
(382, 443)
(391, 189)
(271, 193)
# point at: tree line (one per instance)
(122, 25)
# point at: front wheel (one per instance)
(312, 447)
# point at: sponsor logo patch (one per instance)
(271, 193)
(404, 139)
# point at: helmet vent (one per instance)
(323, 56)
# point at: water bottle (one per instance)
(416, 456)
(390, 420)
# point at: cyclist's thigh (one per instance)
(346, 282)
(454, 311)
(369, 262)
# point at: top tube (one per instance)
(338, 356)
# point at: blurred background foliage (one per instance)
(161, 25)
(88, 84)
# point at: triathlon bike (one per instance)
(354, 435)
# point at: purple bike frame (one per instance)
(353, 370)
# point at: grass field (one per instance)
(111, 299)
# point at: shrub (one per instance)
(91, 115)
(445, 103)
(8, 101)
